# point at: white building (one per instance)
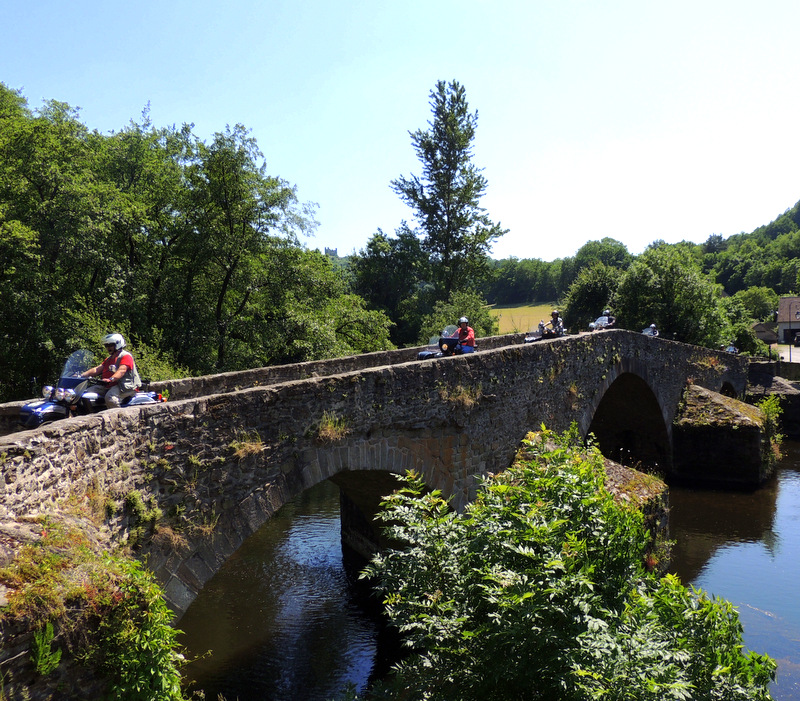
(788, 318)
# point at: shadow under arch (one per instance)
(629, 425)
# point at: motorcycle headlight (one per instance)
(59, 395)
(70, 395)
(47, 390)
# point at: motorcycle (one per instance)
(74, 395)
(441, 346)
(543, 331)
(602, 322)
(537, 335)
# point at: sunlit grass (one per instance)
(522, 318)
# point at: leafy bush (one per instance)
(772, 410)
(539, 591)
(109, 613)
(136, 646)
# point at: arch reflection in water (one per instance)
(281, 617)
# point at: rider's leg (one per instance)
(115, 395)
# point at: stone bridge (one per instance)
(217, 460)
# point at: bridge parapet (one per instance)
(235, 381)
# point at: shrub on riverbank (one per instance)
(105, 612)
(539, 591)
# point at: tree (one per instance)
(456, 232)
(387, 274)
(190, 249)
(761, 303)
(539, 591)
(589, 294)
(469, 304)
(608, 251)
(740, 331)
(666, 286)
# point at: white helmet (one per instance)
(463, 320)
(114, 339)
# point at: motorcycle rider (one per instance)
(118, 370)
(556, 325)
(466, 336)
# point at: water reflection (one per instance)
(283, 620)
(280, 615)
(745, 547)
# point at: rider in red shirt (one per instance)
(117, 370)
(466, 336)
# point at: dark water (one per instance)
(281, 616)
(745, 547)
(283, 622)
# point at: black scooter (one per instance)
(442, 346)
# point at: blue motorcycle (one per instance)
(74, 395)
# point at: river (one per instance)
(283, 619)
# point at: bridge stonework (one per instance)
(218, 466)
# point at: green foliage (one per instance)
(108, 609)
(671, 643)
(538, 591)
(739, 329)
(666, 286)
(608, 251)
(589, 294)
(515, 281)
(44, 657)
(136, 647)
(456, 232)
(189, 249)
(386, 273)
(772, 410)
(761, 303)
(468, 304)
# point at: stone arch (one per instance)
(362, 469)
(629, 419)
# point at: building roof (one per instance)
(766, 332)
(789, 310)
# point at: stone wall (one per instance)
(719, 441)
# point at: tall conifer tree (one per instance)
(455, 230)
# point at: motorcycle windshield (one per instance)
(447, 332)
(601, 321)
(78, 362)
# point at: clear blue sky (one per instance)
(627, 118)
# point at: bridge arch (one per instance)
(629, 421)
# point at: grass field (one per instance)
(524, 318)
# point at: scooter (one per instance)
(544, 331)
(537, 335)
(602, 322)
(443, 345)
(74, 395)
